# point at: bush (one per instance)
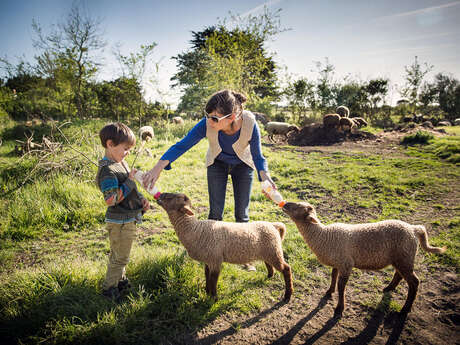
(421, 137)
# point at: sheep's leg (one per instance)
(206, 273)
(331, 290)
(213, 277)
(413, 282)
(269, 269)
(394, 282)
(288, 282)
(343, 279)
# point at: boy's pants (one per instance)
(121, 238)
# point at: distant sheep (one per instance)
(370, 246)
(331, 120)
(213, 242)
(343, 111)
(346, 124)
(146, 133)
(178, 120)
(281, 128)
(359, 122)
(444, 124)
(457, 122)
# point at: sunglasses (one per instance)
(215, 118)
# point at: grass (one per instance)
(53, 246)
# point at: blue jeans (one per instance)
(242, 176)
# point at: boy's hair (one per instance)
(225, 102)
(117, 132)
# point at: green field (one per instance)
(53, 249)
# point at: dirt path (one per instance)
(308, 318)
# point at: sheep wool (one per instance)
(146, 133)
(214, 242)
(370, 246)
(281, 128)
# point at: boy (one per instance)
(125, 204)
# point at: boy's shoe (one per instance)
(249, 268)
(124, 284)
(112, 293)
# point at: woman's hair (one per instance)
(225, 102)
(117, 132)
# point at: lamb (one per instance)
(213, 242)
(359, 122)
(282, 128)
(178, 120)
(346, 124)
(343, 111)
(331, 120)
(146, 133)
(370, 246)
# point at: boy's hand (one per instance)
(131, 174)
(145, 205)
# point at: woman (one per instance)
(234, 149)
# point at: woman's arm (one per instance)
(197, 133)
(257, 156)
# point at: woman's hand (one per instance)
(150, 177)
(266, 177)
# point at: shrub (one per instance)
(421, 137)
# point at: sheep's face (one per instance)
(301, 212)
(172, 202)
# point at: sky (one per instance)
(362, 39)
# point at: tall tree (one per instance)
(377, 89)
(325, 85)
(68, 50)
(135, 67)
(223, 57)
(415, 74)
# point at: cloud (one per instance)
(260, 7)
(419, 11)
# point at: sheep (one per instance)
(343, 111)
(370, 246)
(331, 120)
(282, 128)
(444, 123)
(213, 242)
(346, 124)
(178, 120)
(457, 122)
(359, 122)
(146, 133)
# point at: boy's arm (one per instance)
(114, 193)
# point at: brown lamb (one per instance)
(370, 246)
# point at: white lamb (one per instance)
(281, 128)
(146, 133)
(370, 246)
(177, 120)
(213, 242)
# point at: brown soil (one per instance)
(308, 318)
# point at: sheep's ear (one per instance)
(312, 219)
(187, 210)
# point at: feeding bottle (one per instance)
(273, 193)
(154, 190)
